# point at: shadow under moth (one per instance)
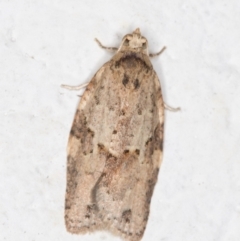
(115, 145)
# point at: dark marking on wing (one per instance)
(122, 112)
(149, 140)
(130, 60)
(81, 131)
(136, 84)
(158, 137)
(125, 80)
(95, 189)
(96, 98)
(126, 216)
(72, 174)
(100, 146)
(151, 184)
(137, 151)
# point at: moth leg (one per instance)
(113, 49)
(167, 107)
(79, 87)
(158, 53)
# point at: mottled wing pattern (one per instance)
(115, 149)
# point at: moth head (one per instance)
(135, 42)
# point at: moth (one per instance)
(115, 145)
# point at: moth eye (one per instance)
(127, 39)
(126, 42)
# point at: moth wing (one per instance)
(83, 166)
(124, 191)
(114, 152)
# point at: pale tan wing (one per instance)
(134, 154)
(115, 150)
(84, 167)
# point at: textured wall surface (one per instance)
(44, 44)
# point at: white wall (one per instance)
(44, 44)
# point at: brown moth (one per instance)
(115, 145)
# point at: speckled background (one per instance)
(44, 44)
